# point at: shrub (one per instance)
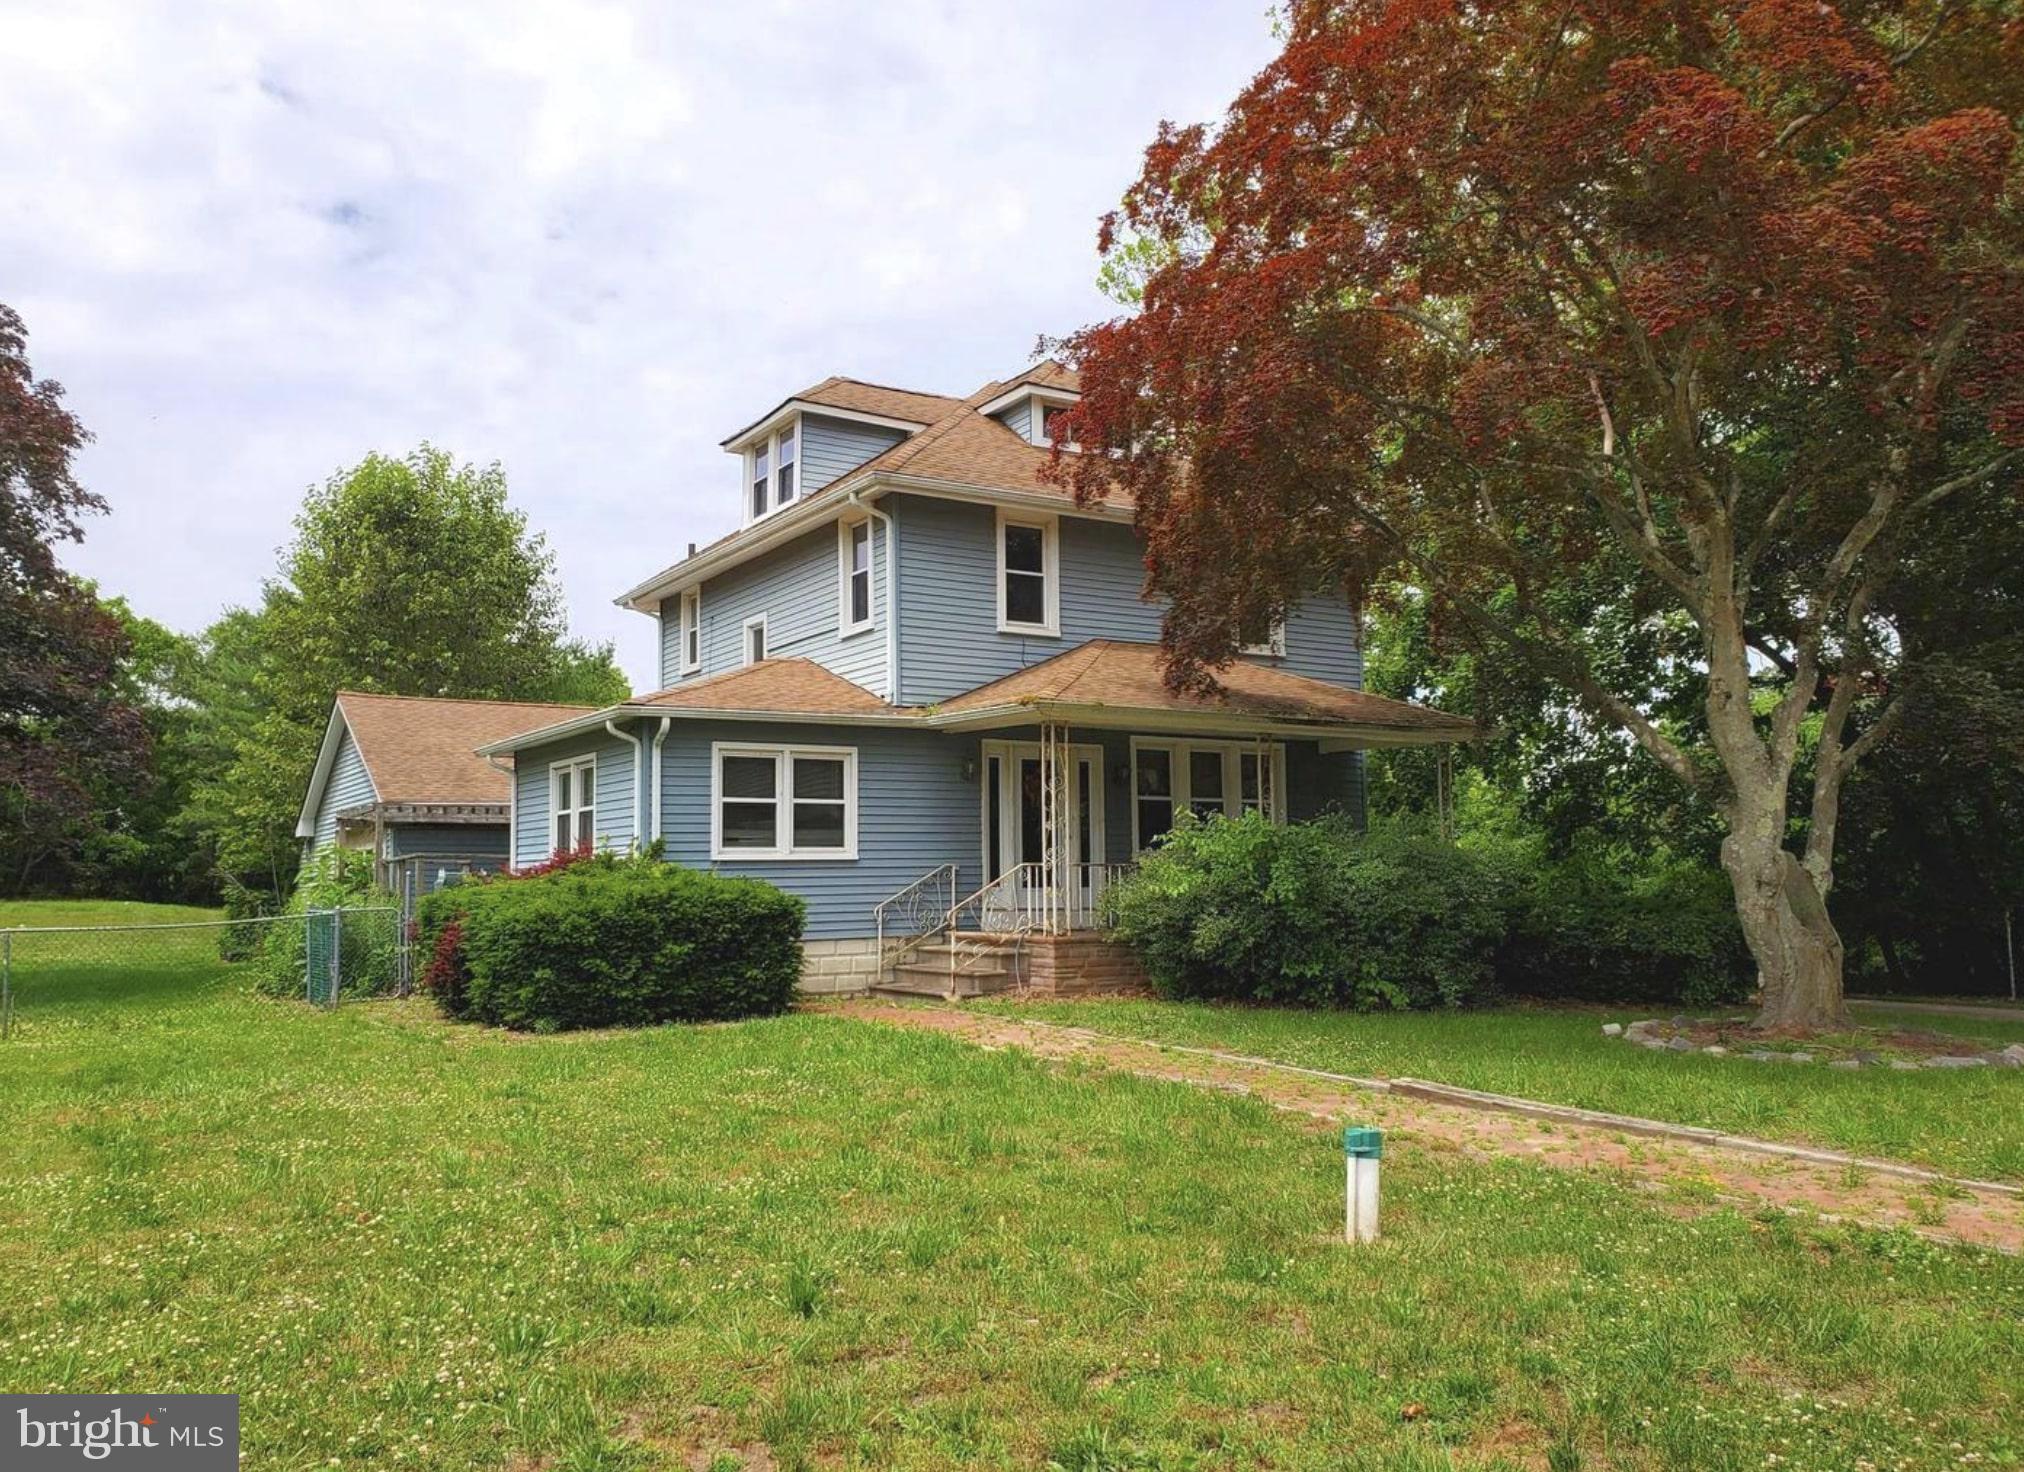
(611, 942)
(1595, 930)
(336, 876)
(1316, 914)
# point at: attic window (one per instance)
(1050, 415)
(774, 466)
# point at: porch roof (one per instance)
(1105, 683)
(1115, 682)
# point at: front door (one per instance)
(1013, 820)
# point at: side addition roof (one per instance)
(422, 751)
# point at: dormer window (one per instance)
(1263, 636)
(775, 470)
(1050, 417)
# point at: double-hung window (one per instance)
(762, 478)
(691, 631)
(1265, 636)
(775, 462)
(1029, 593)
(784, 802)
(1153, 782)
(853, 552)
(573, 800)
(755, 639)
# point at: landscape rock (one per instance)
(1864, 1056)
(1612, 1029)
(1716, 1050)
(1680, 1045)
(1846, 1065)
(1904, 1065)
(1640, 1030)
(1951, 1060)
(1798, 1057)
(2013, 1056)
(1762, 1055)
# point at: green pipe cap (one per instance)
(1361, 1142)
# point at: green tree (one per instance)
(409, 576)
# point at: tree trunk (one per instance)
(1786, 924)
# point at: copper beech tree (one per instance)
(1497, 298)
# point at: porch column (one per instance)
(1055, 790)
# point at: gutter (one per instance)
(639, 747)
(784, 526)
(932, 718)
(667, 724)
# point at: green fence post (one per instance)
(336, 952)
(6, 985)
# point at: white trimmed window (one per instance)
(755, 639)
(783, 802)
(853, 556)
(692, 631)
(1029, 580)
(773, 470)
(572, 788)
(1264, 638)
(1203, 777)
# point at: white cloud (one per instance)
(256, 240)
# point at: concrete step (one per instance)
(934, 981)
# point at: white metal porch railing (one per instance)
(911, 917)
(1020, 902)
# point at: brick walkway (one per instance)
(1746, 1178)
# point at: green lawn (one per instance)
(1968, 1121)
(407, 1244)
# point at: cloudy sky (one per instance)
(255, 241)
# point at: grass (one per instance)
(407, 1244)
(1969, 1121)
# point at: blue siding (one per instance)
(832, 447)
(534, 835)
(949, 639)
(349, 785)
(798, 588)
(1019, 419)
(915, 810)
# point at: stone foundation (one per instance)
(1079, 965)
(832, 966)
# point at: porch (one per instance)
(1061, 815)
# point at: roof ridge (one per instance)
(462, 699)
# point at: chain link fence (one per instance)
(66, 976)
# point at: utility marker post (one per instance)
(1362, 1148)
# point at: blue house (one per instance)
(920, 687)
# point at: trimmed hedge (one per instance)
(1322, 915)
(612, 943)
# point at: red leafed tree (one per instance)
(69, 745)
(1500, 298)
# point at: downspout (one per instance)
(892, 595)
(667, 724)
(512, 776)
(639, 747)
